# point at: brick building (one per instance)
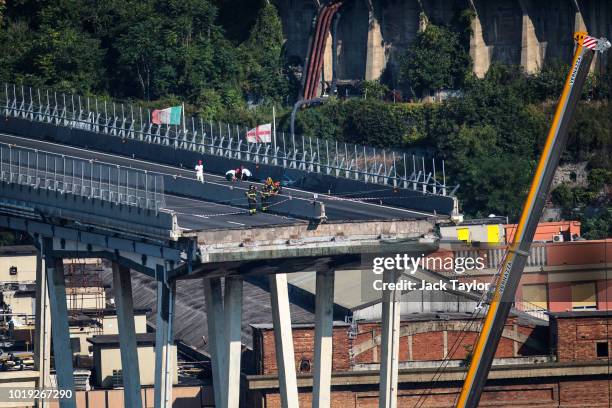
(562, 364)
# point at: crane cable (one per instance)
(607, 319)
(444, 364)
(474, 316)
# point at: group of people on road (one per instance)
(239, 174)
(269, 188)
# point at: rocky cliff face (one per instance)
(372, 33)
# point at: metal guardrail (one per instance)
(87, 178)
(495, 255)
(531, 309)
(357, 162)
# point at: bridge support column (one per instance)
(233, 337)
(216, 337)
(164, 367)
(389, 364)
(42, 336)
(479, 50)
(122, 285)
(531, 58)
(324, 321)
(283, 340)
(62, 351)
(375, 60)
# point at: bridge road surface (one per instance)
(198, 214)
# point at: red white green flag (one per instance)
(168, 116)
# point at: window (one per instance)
(536, 295)
(75, 344)
(602, 349)
(13, 270)
(583, 296)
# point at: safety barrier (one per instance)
(314, 155)
(92, 179)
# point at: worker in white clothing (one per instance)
(199, 169)
(240, 174)
(230, 175)
(244, 174)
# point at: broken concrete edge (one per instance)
(302, 232)
(327, 241)
(317, 250)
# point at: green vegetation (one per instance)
(144, 49)
(160, 52)
(436, 60)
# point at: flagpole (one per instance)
(183, 112)
(274, 127)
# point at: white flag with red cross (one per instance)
(260, 134)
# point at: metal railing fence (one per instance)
(87, 178)
(357, 162)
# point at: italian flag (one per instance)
(168, 116)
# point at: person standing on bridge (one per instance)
(264, 195)
(199, 169)
(252, 199)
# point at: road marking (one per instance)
(237, 223)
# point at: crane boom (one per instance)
(511, 269)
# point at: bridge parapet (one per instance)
(85, 178)
(38, 185)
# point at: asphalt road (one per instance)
(197, 214)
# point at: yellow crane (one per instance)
(501, 299)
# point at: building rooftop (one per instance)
(81, 320)
(270, 326)
(582, 313)
(111, 340)
(190, 324)
(17, 250)
(111, 311)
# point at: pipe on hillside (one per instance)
(319, 66)
(314, 51)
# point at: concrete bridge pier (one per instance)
(59, 323)
(232, 304)
(389, 363)
(531, 56)
(42, 326)
(324, 321)
(164, 339)
(122, 285)
(283, 340)
(224, 316)
(214, 316)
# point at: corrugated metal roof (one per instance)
(190, 312)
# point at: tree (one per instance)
(435, 60)
(263, 59)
